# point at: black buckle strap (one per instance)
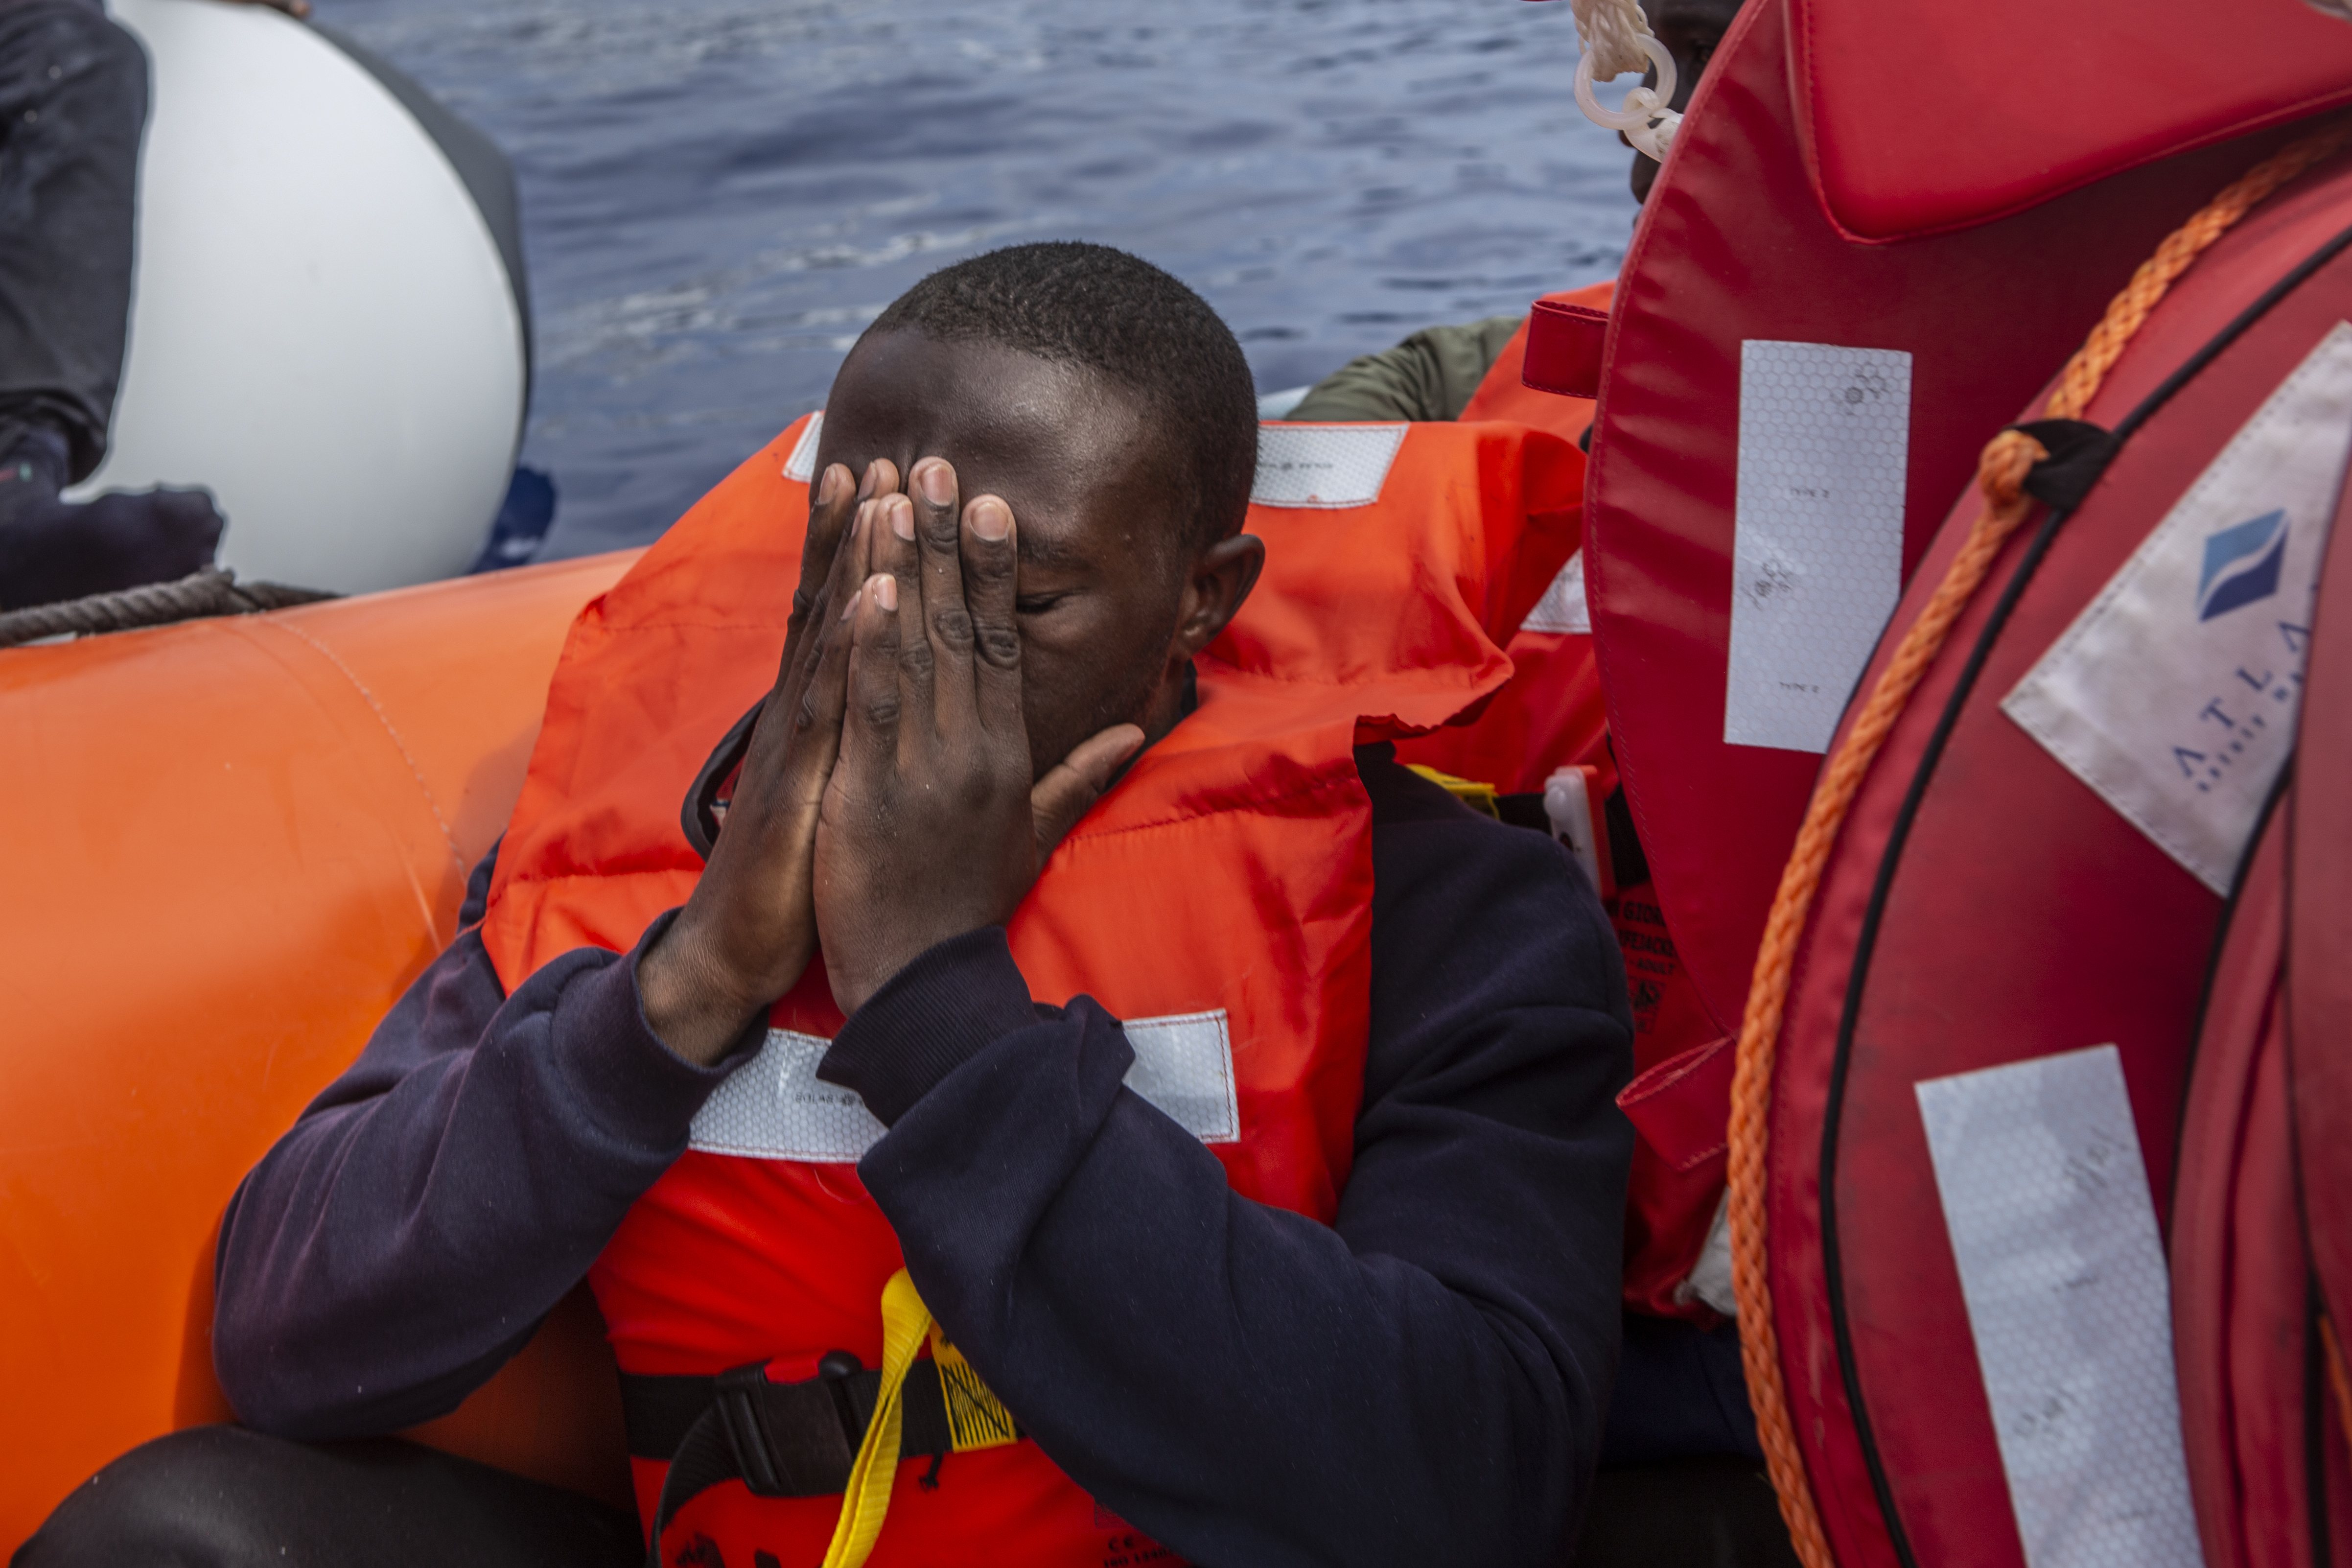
(704, 810)
(791, 1439)
(780, 1440)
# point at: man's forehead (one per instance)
(973, 403)
(1055, 440)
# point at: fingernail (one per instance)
(936, 481)
(990, 519)
(828, 490)
(866, 483)
(902, 516)
(886, 591)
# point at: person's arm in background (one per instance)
(1423, 1382)
(1429, 376)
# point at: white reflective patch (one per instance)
(1562, 609)
(776, 1108)
(1184, 1065)
(2174, 694)
(1326, 466)
(1709, 1279)
(801, 467)
(2039, 1167)
(1817, 551)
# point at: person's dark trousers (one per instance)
(1682, 1481)
(73, 103)
(221, 1496)
(1716, 1510)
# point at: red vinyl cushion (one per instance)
(1733, 246)
(2240, 1283)
(2319, 992)
(2024, 918)
(1918, 119)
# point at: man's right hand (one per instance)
(749, 927)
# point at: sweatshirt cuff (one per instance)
(621, 1066)
(951, 1003)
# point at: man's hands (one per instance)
(886, 799)
(745, 934)
(931, 825)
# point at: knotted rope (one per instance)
(210, 592)
(2009, 458)
(1612, 32)
(1617, 40)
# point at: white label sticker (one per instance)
(2038, 1164)
(2174, 694)
(1325, 465)
(801, 467)
(1817, 552)
(1562, 609)
(776, 1108)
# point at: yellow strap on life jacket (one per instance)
(866, 1499)
(1478, 797)
(976, 1419)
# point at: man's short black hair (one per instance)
(1120, 316)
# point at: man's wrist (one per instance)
(629, 1078)
(691, 1003)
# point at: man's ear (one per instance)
(1215, 583)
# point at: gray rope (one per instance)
(211, 592)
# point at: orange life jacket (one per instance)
(1551, 715)
(1219, 900)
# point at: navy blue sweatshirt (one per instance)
(1423, 1381)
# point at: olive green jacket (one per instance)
(1430, 375)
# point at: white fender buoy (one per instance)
(324, 331)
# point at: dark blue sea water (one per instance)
(717, 194)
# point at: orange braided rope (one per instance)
(2008, 458)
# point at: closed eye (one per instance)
(1038, 605)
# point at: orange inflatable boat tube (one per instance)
(230, 845)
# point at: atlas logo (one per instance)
(2242, 566)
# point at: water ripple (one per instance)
(720, 194)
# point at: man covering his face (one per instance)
(1370, 1319)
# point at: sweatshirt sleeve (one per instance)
(434, 1202)
(1423, 1381)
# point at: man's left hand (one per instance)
(931, 825)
